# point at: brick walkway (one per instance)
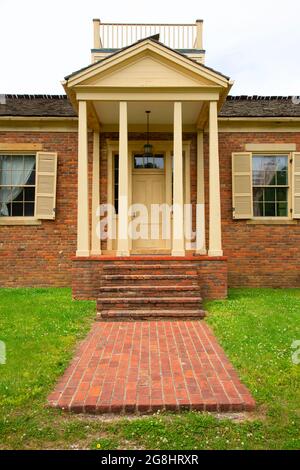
(150, 366)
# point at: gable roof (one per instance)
(235, 106)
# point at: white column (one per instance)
(215, 240)
(200, 211)
(83, 242)
(123, 242)
(178, 232)
(96, 242)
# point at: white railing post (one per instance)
(199, 38)
(97, 41)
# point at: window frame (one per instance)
(21, 219)
(289, 185)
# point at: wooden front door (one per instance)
(148, 188)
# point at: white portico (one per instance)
(112, 95)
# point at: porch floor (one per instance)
(149, 366)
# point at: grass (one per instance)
(256, 327)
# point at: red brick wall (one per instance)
(40, 255)
(258, 255)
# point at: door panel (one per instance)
(148, 188)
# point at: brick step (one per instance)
(153, 279)
(149, 290)
(155, 303)
(150, 314)
(188, 269)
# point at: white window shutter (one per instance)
(45, 191)
(242, 185)
(296, 185)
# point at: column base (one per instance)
(201, 251)
(178, 253)
(215, 253)
(123, 253)
(80, 253)
(96, 252)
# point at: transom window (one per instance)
(156, 161)
(270, 183)
(17, 185)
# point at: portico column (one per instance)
(96, 242)
(215, 241)
(178, 232)
(123, 242)
(200, 211)
(83, 242)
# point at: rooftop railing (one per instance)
(175, 36)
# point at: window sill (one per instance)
(19, 221)
(272, 222)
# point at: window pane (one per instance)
(270, 209)
(17, 194)
(29, 209)
(281, 194)
(138, 161)
(282, 163)
(282, 178)
(258, 163)
(258, 194)
(270, 163)
(17, 209)
(258, 209)
(5, 177)
(258, 178)
(270, 194)
(31, 179)
(148, 162)
(29, 194)
(270, 178)
(159, 162)
(282, 209)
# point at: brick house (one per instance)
(147, 122)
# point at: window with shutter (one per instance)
(45, 195)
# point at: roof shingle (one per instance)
(235, 106)
(36, 105)
(261, 106)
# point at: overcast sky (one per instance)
(255, 42)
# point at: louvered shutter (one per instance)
(45, 192)
(242, 185)
(296, 185)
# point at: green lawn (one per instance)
(256, 327)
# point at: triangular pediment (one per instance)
(147, 64)
(147, 71)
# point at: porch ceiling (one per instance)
(162, 113)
